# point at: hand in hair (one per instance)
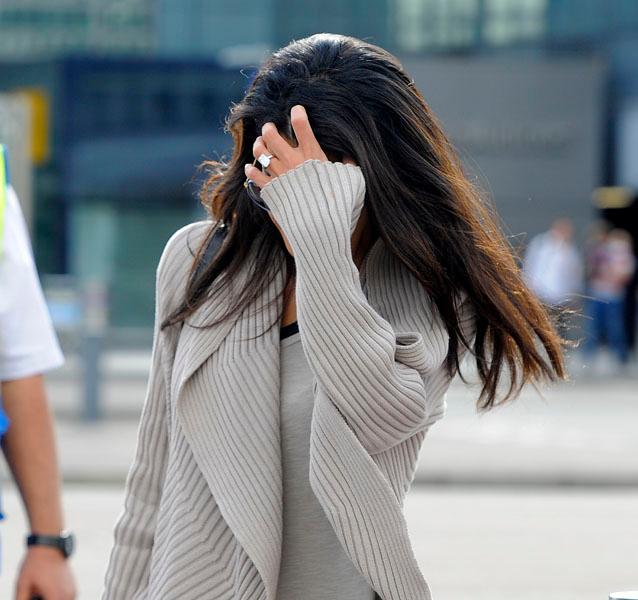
(284, 156)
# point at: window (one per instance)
(436, 24)
(426, 25)
(511, 21)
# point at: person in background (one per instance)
(28, 348)
(553, 269)
(610, 267)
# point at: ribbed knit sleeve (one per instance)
(373, 376)
(128, 569)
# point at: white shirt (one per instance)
(28, 342)
(552, 268)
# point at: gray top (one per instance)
(314, 565)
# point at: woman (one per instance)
(277, 468)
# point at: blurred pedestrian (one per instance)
(610, 267)
(287, 405)
(553, 269)
(28, 348)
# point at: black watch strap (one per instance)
(63, 542)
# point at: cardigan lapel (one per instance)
(226, 394)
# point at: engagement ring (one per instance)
(264, 160)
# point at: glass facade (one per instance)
(239, 31)
(127, 136)
(591, 21)
(366, 19)
(247, 31)
(445, 25)
(513, 21)
(476, 25)
(39, 28)
(433, 24)
(128, 165)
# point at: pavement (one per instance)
(476, 543)
(582, 433)
(534, 499)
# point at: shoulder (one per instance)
(181, 246)
(177, 259)
(28, 344)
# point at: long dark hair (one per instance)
(362, 104)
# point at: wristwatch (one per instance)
(64, 542)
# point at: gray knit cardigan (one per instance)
(202, 517)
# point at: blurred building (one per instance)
(118, 175)
(249, 30)
(128, 96)
(541, 29)
(32, 29)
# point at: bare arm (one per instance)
(30, 450)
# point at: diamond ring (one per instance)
(264, 160)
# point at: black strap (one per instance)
(214, 244)
(288, 330)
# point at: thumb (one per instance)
(23, 590)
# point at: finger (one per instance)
(259, 177)
(260, 148)
(275, 142)
(305, 136)
(23, 590)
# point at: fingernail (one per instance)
(297, 108)
(246, 167)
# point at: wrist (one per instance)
(42, 552)
(63, 543)
(317, 199)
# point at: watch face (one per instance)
(67, 542)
